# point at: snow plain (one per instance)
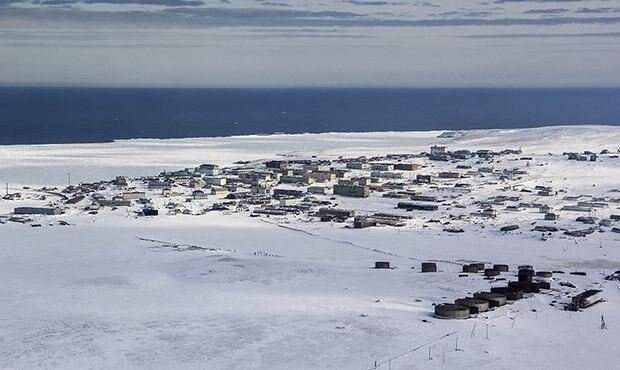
(108, 292)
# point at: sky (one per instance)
(291, 43)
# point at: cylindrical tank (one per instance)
(495, 299)
(532, 288)
(546, 274)
(382, 265)
(490, 272)
(525, 275)
(451, 311)
(512, 294)
(475, 305)
(478, 265)
(544, 285)
(429, 267)
(470, 269)
(543, 276)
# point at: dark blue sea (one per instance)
(62, 115)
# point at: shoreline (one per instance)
(314, 134)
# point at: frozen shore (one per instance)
(49, 164)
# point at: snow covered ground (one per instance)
(109, 291)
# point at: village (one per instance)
(439, 189)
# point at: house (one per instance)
(150, 212)
(406, 166)
(461, 154)
(356, 191)
(551, 216)
(322, 176)
(340, 173)
(288, 201)
(488, 212)
(544, 209)
(361, 222)
(199, 194)
(361, 181)
(423, 179)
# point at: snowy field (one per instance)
(108, 291)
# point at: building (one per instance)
(361, 222)
(290, 201)
(406, 166)
(49, 211)
(279, 165)
(382, 167)
(321, 190)
(199, 194)
(357, 165)
(386, 174)
(284, 193)
(438, 150)
(114, 203)
(209, 169)
(356, 191)
(423, 179)
(150, 212)
(120, 181)
(362, 181)
(551, 216)
(417, 206)
(449, 175)
(215, 180)
(424, 198)
(335, 213)
(134, 195)
(296, 179)
(159, 185)
(322, 176)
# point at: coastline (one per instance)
(49, 164)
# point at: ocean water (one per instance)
(61, 115)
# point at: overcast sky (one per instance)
(408, 43)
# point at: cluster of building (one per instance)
(438, 187)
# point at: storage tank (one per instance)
(451, 311)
